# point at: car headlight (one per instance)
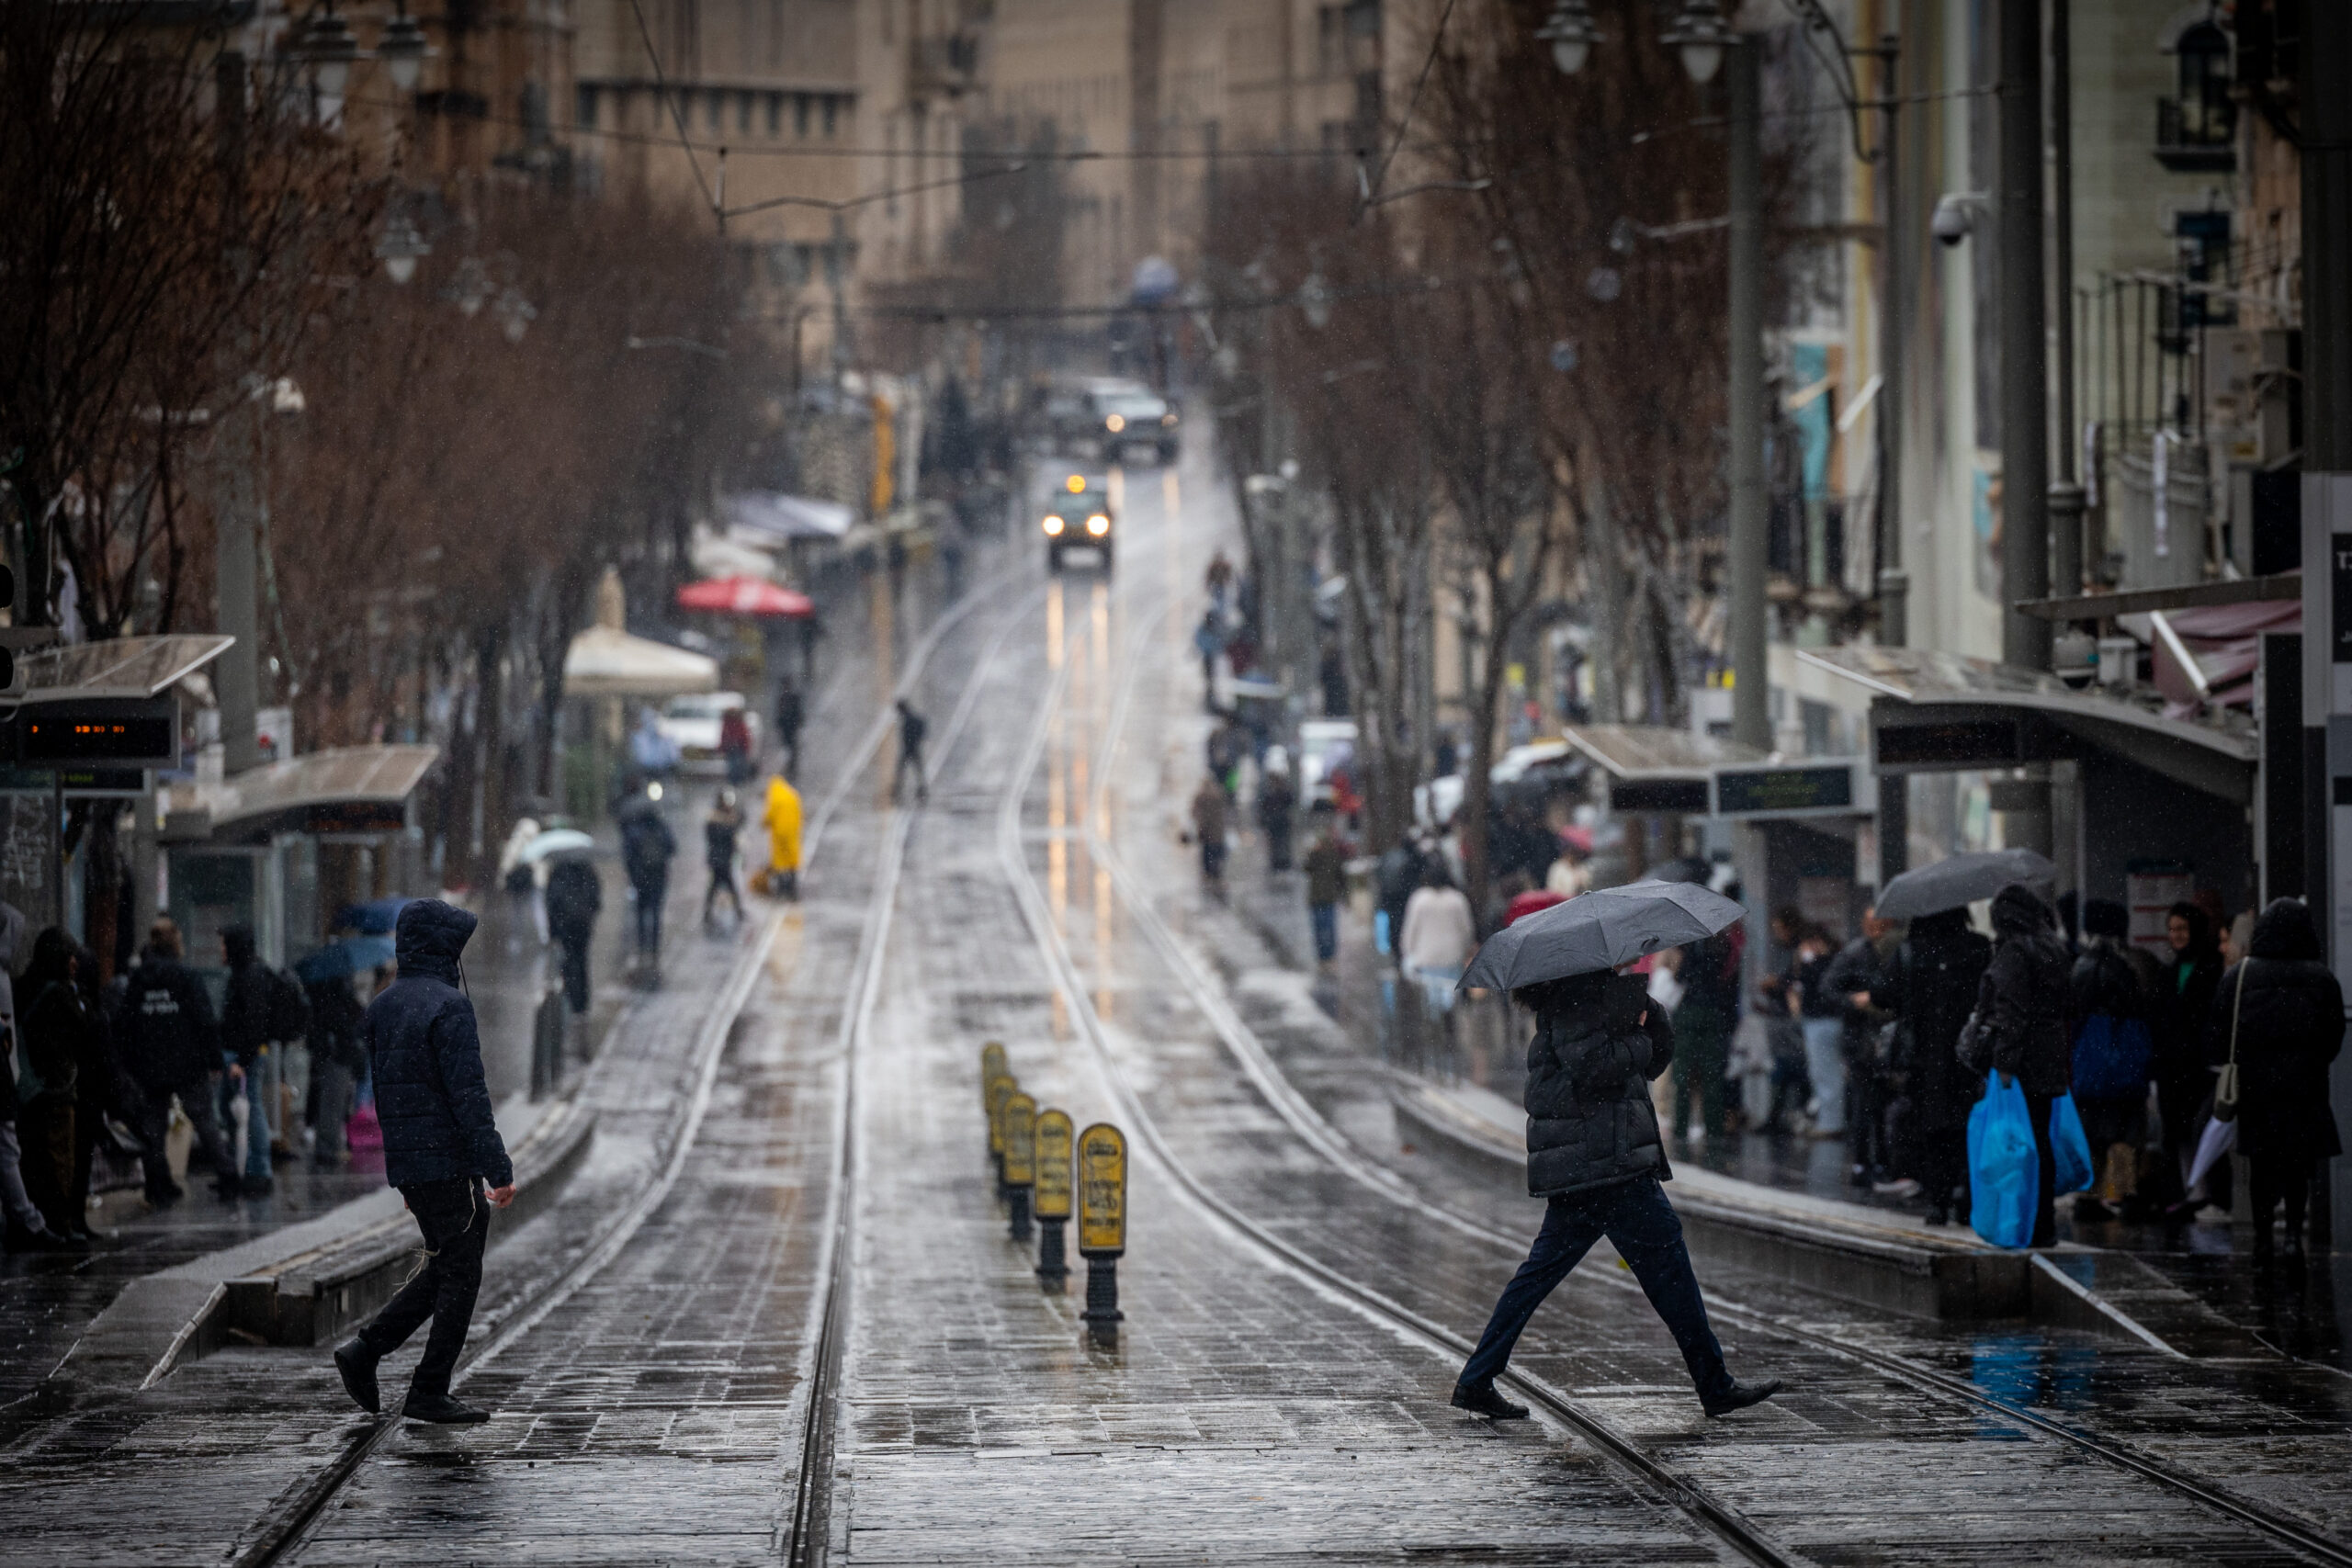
(1054, 524)
(1168, 419)
(1115, 424)
(1098, 525)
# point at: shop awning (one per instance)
(1941, 712)
(348, 789)
(604, 661)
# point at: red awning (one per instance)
(743, 596)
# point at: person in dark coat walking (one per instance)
(647, 849)
(575, 897)
(53, 1026)
(912, 729)
(1594, 1155)
(1930, 988)
(173, 1047)
(2021, 1025)
(246, 1034)
(790, 711)
(2289, 1025)
(441, 1149)
(1277, 808)
(2192, 975)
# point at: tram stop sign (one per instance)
(1020, 1140)
(1052, 1202)
(1102, 1191)
(1001, 1088)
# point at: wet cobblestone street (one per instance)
(786, 1231)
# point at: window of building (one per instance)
(833, 114)
(585, 111)
(801, 115)
(775, 114)
(743, 113)
(717, 109)
(2197, 128)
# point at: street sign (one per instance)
(1020, 1141)
(1805, 790)
(79, 783)
(1102, 1191)
(1053, 1137)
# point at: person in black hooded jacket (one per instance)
(441, 1144)
(2021, 1024)
(1594, 1154)
(2289, 1025)
(1932, 984)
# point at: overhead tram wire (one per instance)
(675, 104)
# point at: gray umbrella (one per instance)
(1599, 931)
(1961, 880)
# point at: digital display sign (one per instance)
(1748, 792)
(128, 732)
(1685, 796)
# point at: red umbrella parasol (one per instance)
(743, 596)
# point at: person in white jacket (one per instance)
(1438, 938)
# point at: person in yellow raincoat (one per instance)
(782, 818)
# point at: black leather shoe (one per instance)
(358, 1370)
(442, 1409)
(1742, 1395)
(1481, 1399)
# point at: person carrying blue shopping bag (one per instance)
(2020, 1037)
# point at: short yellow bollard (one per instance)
(1001, 1088)
(1102, 1220)
(1051, 1204)
(1019, 1159)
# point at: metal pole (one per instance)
(1894, 583)
(2025, 400)
(235, 676)
(2326, 111)
(2065, 490)
(1751, 721)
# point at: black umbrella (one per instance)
(1961, 880)
(1599, 931)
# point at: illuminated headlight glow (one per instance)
(1115, 424)
(1098, 525)
(1054, 524)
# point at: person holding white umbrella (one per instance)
(1593, 1150)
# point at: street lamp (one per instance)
(1571, 34)
(403, 50)
(514, 314)
(400, 248)
(329, 49)
(1702, 35)
(1315, 299)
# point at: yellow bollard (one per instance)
(1019, 1159)
(1102, 1220)
(1051, 1204)
(1001, 1088)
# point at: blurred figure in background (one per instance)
(789, 712)
(1327, 884)
(575, 897)
(1277, 807)
(2288, 1021)
(2184, 1000)
(1930, 988)
(53, 1024)
(2114, 1058)
(718, 834)
(781, 818)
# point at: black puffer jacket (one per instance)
(1589, 1120)
(2289, 1026)
(427, 1054)
(2021, 1002)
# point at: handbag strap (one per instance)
(2236, 1003)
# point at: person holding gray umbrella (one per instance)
(1593, 1150)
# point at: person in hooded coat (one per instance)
(2021, 1025)
(441, 1149)
(2289, 1025)
(172, 1046)
(575, 897)
(1930, 987)
(2192, 975)
(1595, 1156)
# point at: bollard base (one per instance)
(1003, 1193)
(1053, 1267)
(1020, 1226)
(1101, 1292)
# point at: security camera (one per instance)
(1955, 217)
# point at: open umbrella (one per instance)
(555, 842)
(743, 596)
(374, 917)
(1958, 881)
(1599, 931)
(339, 960)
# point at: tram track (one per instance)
(281, 1530)
(1336, 1150)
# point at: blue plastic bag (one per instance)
(2003, 1167)
(2112, 1057)
(1380, 932)
(2070, 1147)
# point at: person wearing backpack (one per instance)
(2114, 1054)
(646, 847)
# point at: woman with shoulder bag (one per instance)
(2276, 1023)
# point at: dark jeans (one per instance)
(45, 1139)
(196, 1098)
(2045, 1210)
(909, 760)
(646, 909)
(1326, 918)
(1641, 1225)
(454, 1217)
(722, 880)
(575, 969)
(1939, 1156)
(1213, 859)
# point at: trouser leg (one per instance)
(1569, 1230)
(2264, 1185)
(89, 1126)
(19, 1201)
(1825, 1064)
(1647, 1234)
(1327, 931)
(199, 1102)
(45, 1136)
(575, 973)
(2045, 1203)
(454, 1222)
(261, 1101)
(335, 1087)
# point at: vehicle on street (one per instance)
(1531, 773)
(1128, 416)
(692, 722)
(1078, 517)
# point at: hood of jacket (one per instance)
(2018, 910)
(430, 937)
(2284, 931)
